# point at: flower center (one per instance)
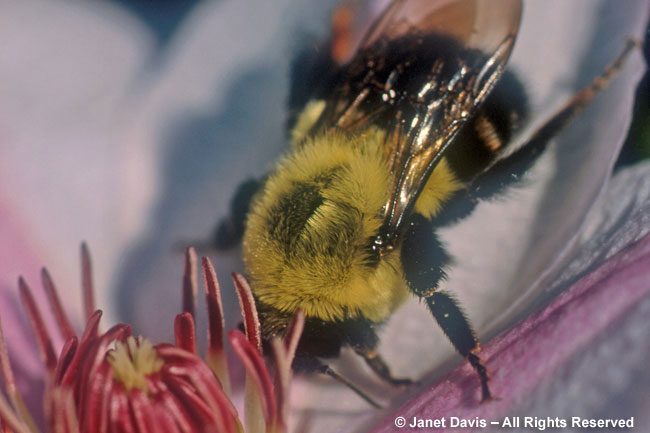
(133, 362)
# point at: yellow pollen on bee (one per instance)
(133, 361)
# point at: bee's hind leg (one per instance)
(510, 170)
(456, 327)
(424, 261)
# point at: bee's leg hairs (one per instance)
(510, 170)
(230, 230)
(456, 327)
(424, 260)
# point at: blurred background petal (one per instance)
(66, 70)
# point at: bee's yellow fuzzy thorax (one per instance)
(309, 231)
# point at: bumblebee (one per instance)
(405, 138)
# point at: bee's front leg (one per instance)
(424, 261)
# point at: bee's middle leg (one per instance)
(363, 339)
(379, 366)
(424, 260)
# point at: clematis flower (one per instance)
(111, 381)
(143, 145)
(581, 357)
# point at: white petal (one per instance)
(65, 72)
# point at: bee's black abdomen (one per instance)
(324, 339)
(507, 106)
(490, 131)
(321, 339)
(397, 75)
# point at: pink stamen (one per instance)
(55, 304)
(248, 311)
(189, 282)
(120, 419)
(294, 332)
(65, 359)
(201, 412)
(179, 363)
(9, 419)
(281, 381)
(38, 325)
(255, 367)
(138, 402)
(7, 372)
(94, 407)
(184, 332)
(174, 409)
(284, 352)
(91, 328)
(183, 395)
(87, 282)
(216, 320)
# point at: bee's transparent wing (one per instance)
(479, 24)
(419, 73)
